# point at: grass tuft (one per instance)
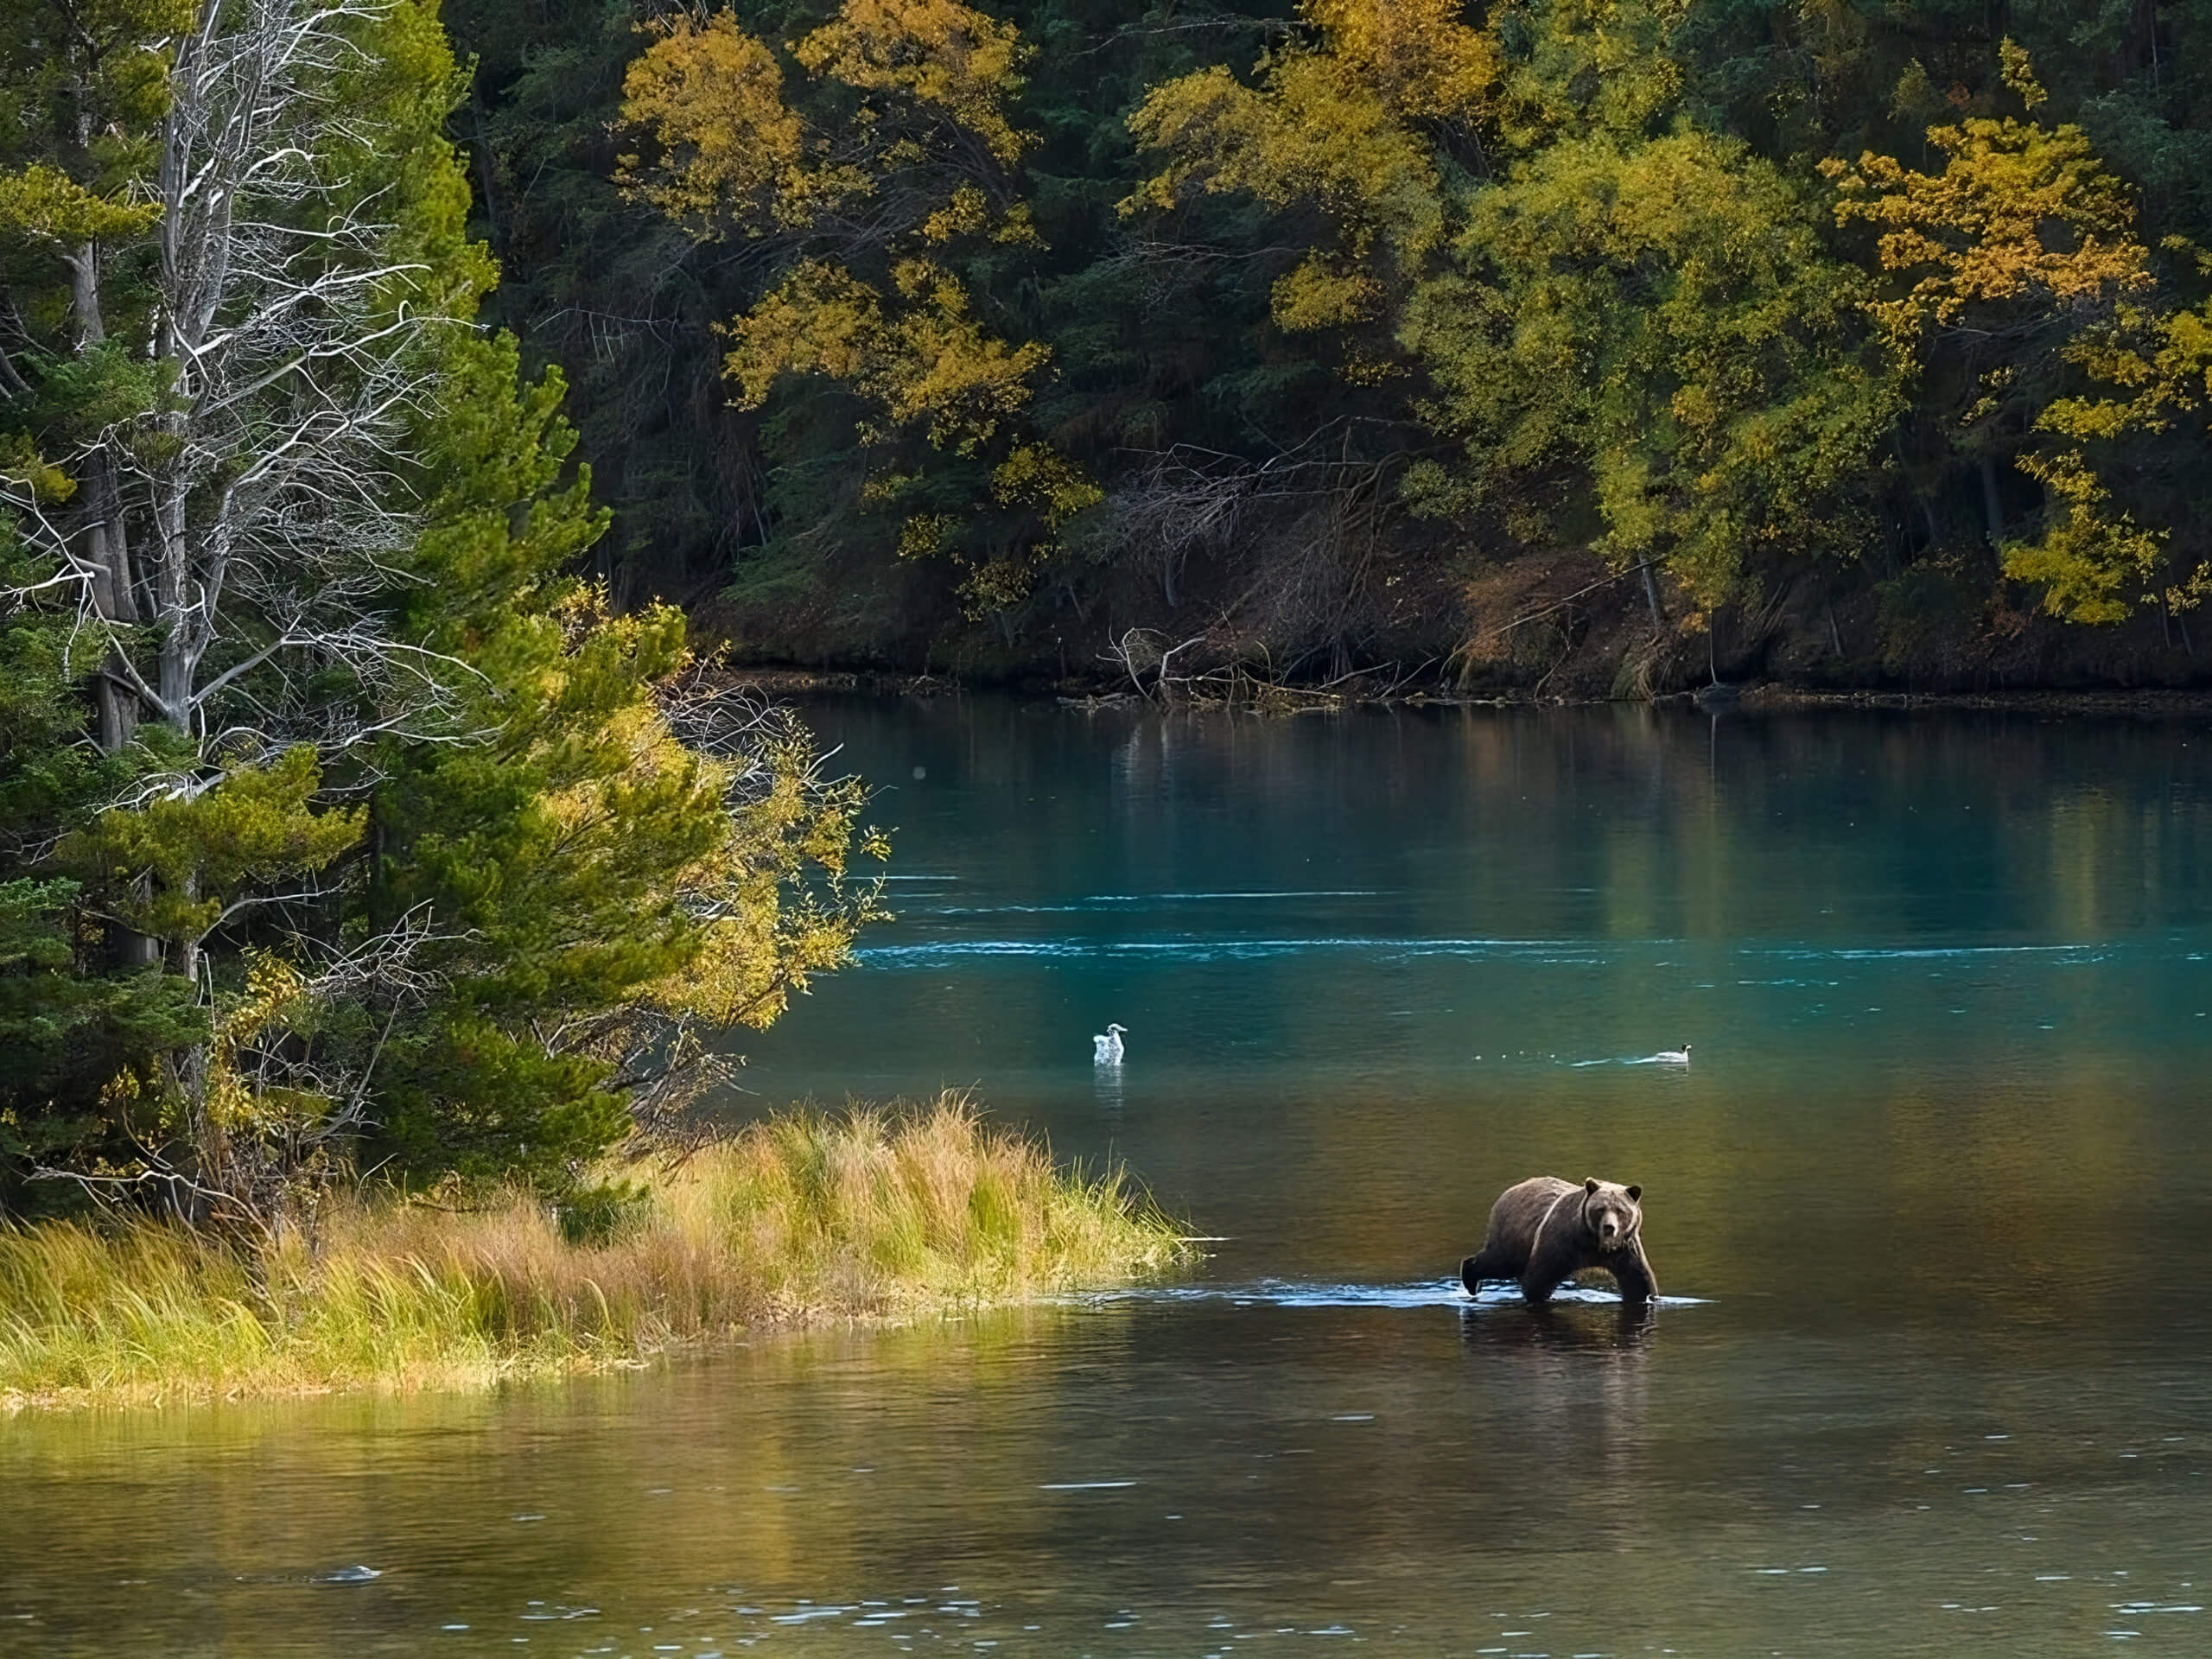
(861, 1214)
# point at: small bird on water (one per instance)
(1674, 1056)
(1107, 1050)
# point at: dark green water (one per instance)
(1936, 1197)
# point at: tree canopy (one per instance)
(343, 822)
(362, 798)
(1001, 336)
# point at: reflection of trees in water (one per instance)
(685, 1488)
(1611, 822)
(1953, 1155)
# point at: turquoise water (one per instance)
(1929, 1206)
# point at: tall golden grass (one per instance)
(805, 1215)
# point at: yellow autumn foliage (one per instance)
(863, 300)
(45, 204)
(1305, 137)
(2090, 555)
(1341, 125)
(768, 888)
(1039, 477)
(1416, 54)
(2025, 229)
(710, 96)
(923, 357)
(1982, 231)
(2093, 560)
(944, 56)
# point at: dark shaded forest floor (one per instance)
(1547, 630)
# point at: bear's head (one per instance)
(1610, 1212)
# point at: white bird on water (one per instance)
(1107, 1050)
(1674, 1056)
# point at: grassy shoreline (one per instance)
(804, 1217)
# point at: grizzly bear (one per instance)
(1545, 1231)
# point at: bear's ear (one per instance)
(1589, 1185)
(1634, 1193)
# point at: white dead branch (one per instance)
(238, 543)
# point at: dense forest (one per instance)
(389, 399)
(1593, 345)
(343, 825)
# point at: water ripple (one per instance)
(1559, 952)
(1109, 900)
(1422, 1293)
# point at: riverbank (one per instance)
(1744, 696)
(805, 1217)
(1551, 630)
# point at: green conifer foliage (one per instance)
(72, 1017)
(488, 907)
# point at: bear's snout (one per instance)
(1612, 1228)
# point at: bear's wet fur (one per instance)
(1545, 1231)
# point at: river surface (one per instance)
(1932, 1208)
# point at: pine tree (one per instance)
(377, 828)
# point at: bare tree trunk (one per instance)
(1992, 510)
(112, 588)
(237, 544)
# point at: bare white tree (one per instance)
(233, 558)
